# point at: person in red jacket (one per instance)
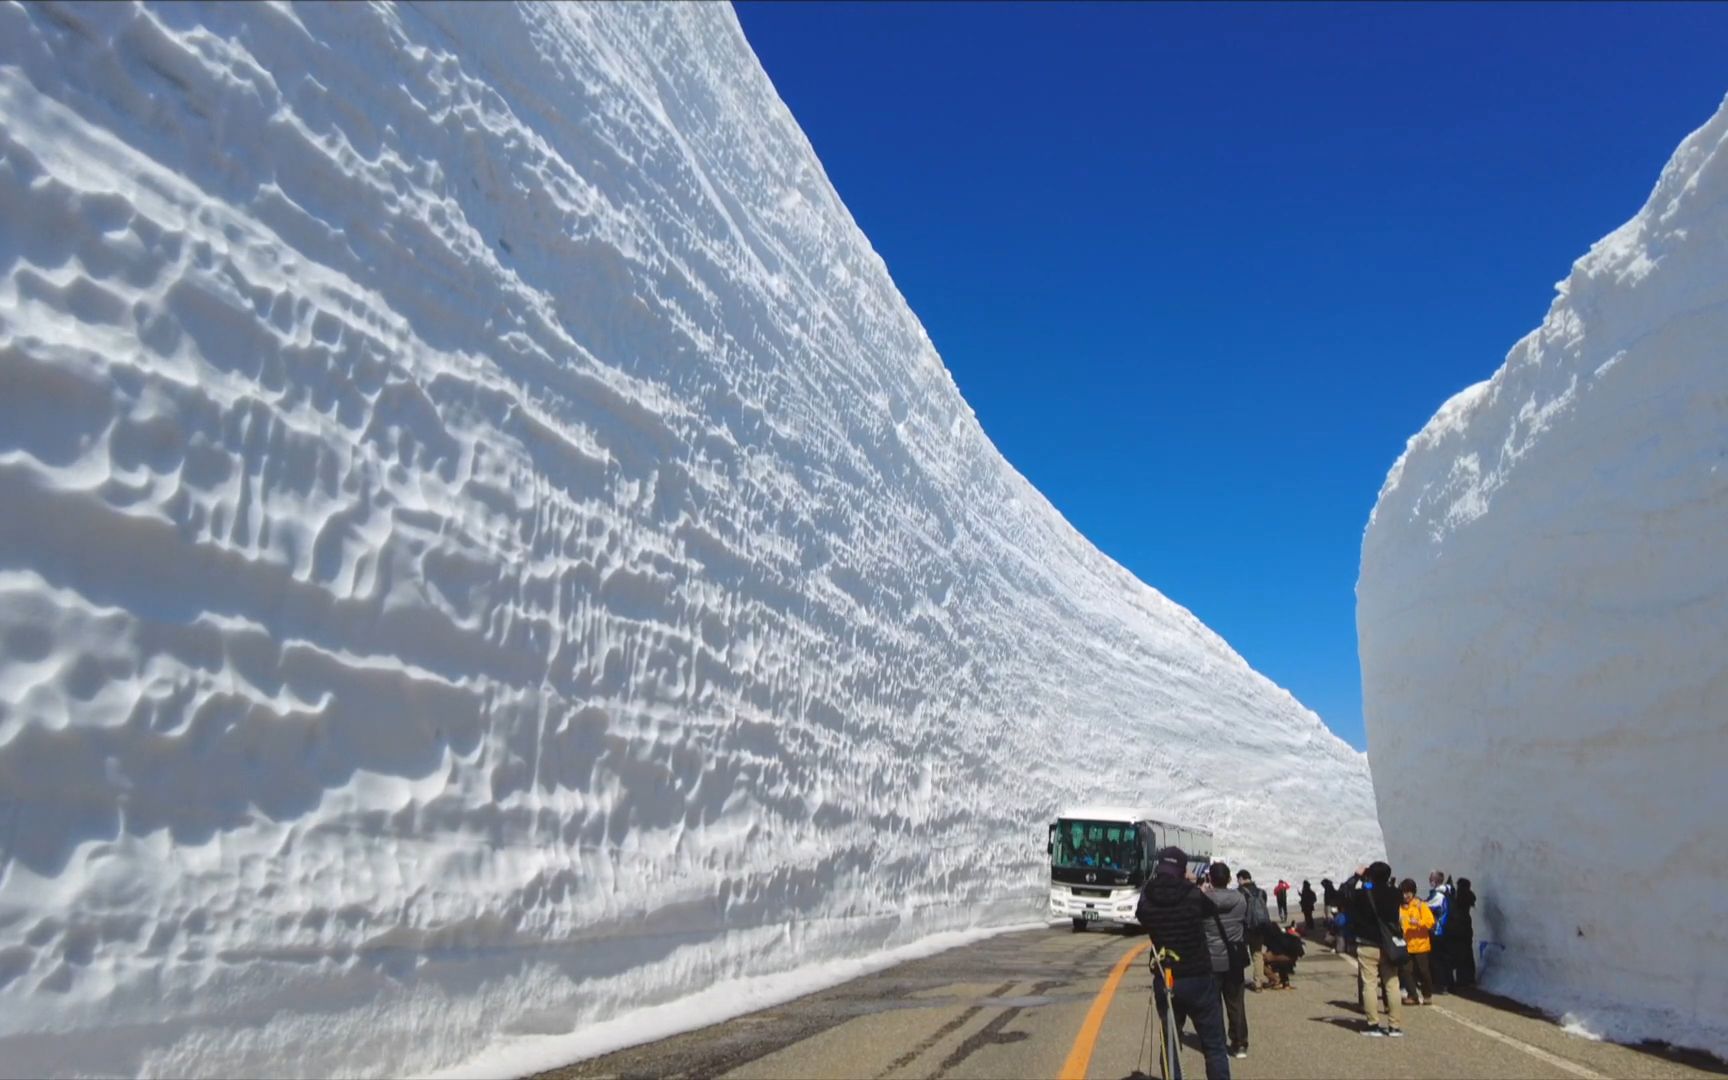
(1282, 892)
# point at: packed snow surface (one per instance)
(1543, 616)
(487, 549)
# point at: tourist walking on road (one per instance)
(1282, 892)
(1417, 919)
(1371, 905)
(1226, 937)
(1305, 899)
(1259, 921)
(1174, 912)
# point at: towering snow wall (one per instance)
(486, 548)
(1543, 615)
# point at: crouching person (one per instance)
(1283, 949)
(1174, 912)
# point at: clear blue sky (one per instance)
(1202, 270)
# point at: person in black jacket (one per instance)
(1305, 899)
(1259, 923)
(1371, 901)
(1283, 949)
(1460, 937)
(1174, 912)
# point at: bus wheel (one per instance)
(1079, 926)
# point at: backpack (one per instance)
(1257, 916)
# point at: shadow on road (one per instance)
(1348, 1023)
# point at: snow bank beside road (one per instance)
(487, 548)
(1543, 615)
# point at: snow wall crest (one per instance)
(487, 548)
(1541, 616)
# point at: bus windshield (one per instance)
(1110, 844)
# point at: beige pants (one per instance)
(1378, 973)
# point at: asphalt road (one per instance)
(1035, 1004)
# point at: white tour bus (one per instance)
(1101, 855)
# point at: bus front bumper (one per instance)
(1118, 907)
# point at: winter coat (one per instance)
(1174, 913)
(1232, 912)
(1417, 919)
(1281, 943)
(1459, 920)
(1306, 899)
(1367, 907)
(1439, 899)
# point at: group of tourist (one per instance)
(1220, 942)
(1407, 948)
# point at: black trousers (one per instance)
(1422, 966)
(1442, 965)
(1233, 987)
(1462, 955)
(1197, 997)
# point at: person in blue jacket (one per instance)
(1440, 902)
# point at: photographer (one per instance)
(1371, 902)
(1174, 912)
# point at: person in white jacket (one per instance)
(1440, 901)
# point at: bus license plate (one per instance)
(1089, 915)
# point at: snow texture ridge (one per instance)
(486, 548)
(1543, 620)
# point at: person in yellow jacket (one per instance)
(1418, 922)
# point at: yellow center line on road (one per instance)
(1080, 1054)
